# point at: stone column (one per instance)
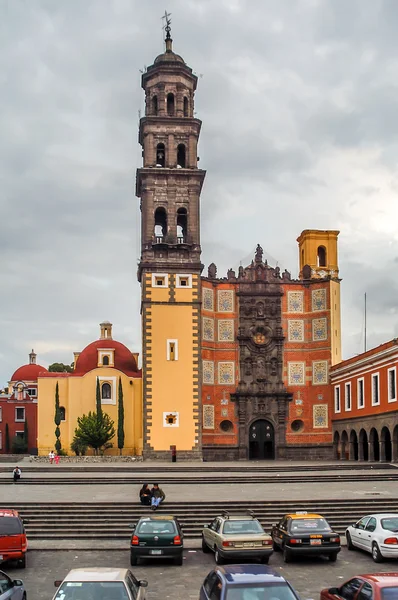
(371, 453)
(360, 452)
(192, 158)
(171, 156)
(394, 451)
(351, 455)
(342, 450)
(382, 451)
(161, 101)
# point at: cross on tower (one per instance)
(167, 25)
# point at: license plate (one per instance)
(316, 542)
(156, 552)
(248, 544)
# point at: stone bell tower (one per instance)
(169, 185)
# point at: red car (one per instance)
(379, 586)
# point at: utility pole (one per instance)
(365, 324)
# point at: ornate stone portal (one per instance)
(261, 398)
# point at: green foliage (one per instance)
(62, 452)
(26, 433)
(78, 447)
(60, 368)
(57, 420)
(120, 418)
(8, 445)
(98, 400)
(18, 445)
(95, 430)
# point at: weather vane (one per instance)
(167, 25)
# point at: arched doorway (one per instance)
(336, 443)
(395, 444)
(374, 445)
(353, 445)
(344, 446)
(363, 445)
(261, 440)
(386, 445)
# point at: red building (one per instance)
(18, 409)
(365, 407)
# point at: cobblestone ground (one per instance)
(308, 576)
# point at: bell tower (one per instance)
(169, 185)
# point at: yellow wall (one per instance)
(335, 322)
(310, 240)
(78, 396)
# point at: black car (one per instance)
(156, 537)
(305, 534)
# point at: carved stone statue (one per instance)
(212, 271)
(274, 366)
(259, 254)
(261, 368)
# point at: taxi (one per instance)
(305, 534)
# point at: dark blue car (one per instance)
(246, 582)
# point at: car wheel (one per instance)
(22, 562)
(350, 545)
(133, 560)
(376, 554)
(178, 561)
(205, 547)
(217, 557)
(275, 547)
(332, 557)
(287, 555)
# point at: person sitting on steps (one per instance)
(145, 495)
(16, 474)
(158, 496)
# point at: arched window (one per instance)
(160, 155)
(160, 224)
(62, 413)
(182, 222)
(321, 256)
(105, 361)
(106, 391)
(181, 156)
(170, 105)
(154, 105)
(186, 107)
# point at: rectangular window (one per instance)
(360, 393)
(172, 350)
(160, 280)
(32, 392)
(19, 414)
(337, 407)
(184, 281)
(392, 384)
(20, 434)
(375, 390)
(348, 396)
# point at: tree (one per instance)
(57, 420)
(98, 400)
(19, 445)
(7, 439)
(60, 368)
(95, 431)
(26, 433)
(78, 447)
(120, 418)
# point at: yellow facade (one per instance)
(315, 245)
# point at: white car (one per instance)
(105, 583)
(11, 589)
(377, 534)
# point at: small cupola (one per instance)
(106, 330)
(32, 357)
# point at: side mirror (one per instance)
(18, 583)
(131, 525)
(143, 583)
(334, 590)
(57, 582)
(355, 526)
(206, 526)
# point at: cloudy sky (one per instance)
(298, 100)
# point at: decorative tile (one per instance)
(295, 331)
(320, 415)
(171, 419)
(208, 416)
(296, 373)
(320, 372)
(318, 300)
(224, 412)
(225, 331)
(295, 302)
(208, 299)
(226, 373)
(225, 300)
(208, 329)
(208, 372)
(319, 329)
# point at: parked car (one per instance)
(305, 534)
(13, 541)
(236, 537)
(157, 536)
(12, 589)
(242, 582)
(378, 586)
(86, 584)
(377, 534)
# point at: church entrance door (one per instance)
(261, 440)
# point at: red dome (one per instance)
(28, 372)
(123, 358)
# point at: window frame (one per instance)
(168, 350)
(34, 395)
(347, 396)
(104, 383)
(337, 399)
(392, 370)
(361, 380)
(20, 433)
(183, 276)
(24, 414)
(163, 276)
(374, 375)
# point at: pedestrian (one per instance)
(51, 456)
(158, 496)
(145, 495)
(16, 474)
(56, 458)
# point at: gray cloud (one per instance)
(298, 104)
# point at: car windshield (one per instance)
(391, 523)
(390, 593)
(92, 590)
(309, 525)
(236, 527)
(158, 527)
(273, 591)
(10, 526)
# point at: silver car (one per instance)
(100, 583)
(11, 588)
